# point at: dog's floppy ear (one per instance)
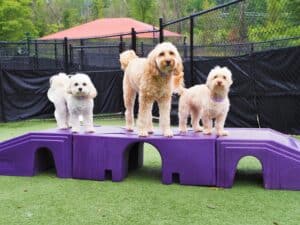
(151, 67)
(93, 92)
(228, 72)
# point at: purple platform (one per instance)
(191, 157)
(279, 155)
(195, 158)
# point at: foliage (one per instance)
(253, 20)
(16, 19)
(143, 10)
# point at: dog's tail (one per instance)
(178, 84)
(126, 57)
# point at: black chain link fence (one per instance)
(237, 31)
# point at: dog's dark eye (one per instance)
(171, 53)
(162, 54)
(224, 77)
(215, 77)
(76, 84)
(84, 84)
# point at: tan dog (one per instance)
(207, 101)
(152, 78)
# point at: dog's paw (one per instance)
(198, 129)
(143, 133)
(222, 133)
(151, 131)
(168, 133)
(207, 131)
(130, 129)
(75, 130)
(90, 130)
(63, 127)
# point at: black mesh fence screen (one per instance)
(258, 40)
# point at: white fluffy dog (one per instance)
(152, 78)
(73, 97)
(207, 101)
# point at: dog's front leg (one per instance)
(88, 122)
(145, 106)
(207, 124)
(164, 105)
(150, 128)
(220, 121)
(74, 120)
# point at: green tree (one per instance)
(98, 9)
(70, 18)
(143, 10)
(16, 20)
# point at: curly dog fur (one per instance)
(207, 101)
(154, 78)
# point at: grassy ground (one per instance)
(141, 198)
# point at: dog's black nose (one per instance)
(168, 62)
(79, 89)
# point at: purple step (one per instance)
(27, 154)
(191, 157)
(278, 154)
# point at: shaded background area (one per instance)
(258, 41)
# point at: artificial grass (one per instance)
(140, 198)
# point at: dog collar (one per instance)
(217, 99)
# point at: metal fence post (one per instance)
(161, 30)
(28, 44)
(142, 49)
(81, 66)
(184, 48)
(66, 56)
(133, 39)
(121, 45)
(192, 49)
(71, 57)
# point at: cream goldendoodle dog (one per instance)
(152, 78)
(207, 101)
(72, 97)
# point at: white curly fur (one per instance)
(207, 101)
(73, 98)
(153, 79)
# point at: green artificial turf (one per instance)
(140, 198)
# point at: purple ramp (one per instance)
(279, 155)
(27, 154)
(191, 156)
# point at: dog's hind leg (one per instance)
(61, 115)
(183, 114)
(195, 117)
(129, 100)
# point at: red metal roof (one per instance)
(106, 27)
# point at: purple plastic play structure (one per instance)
(195, 158)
